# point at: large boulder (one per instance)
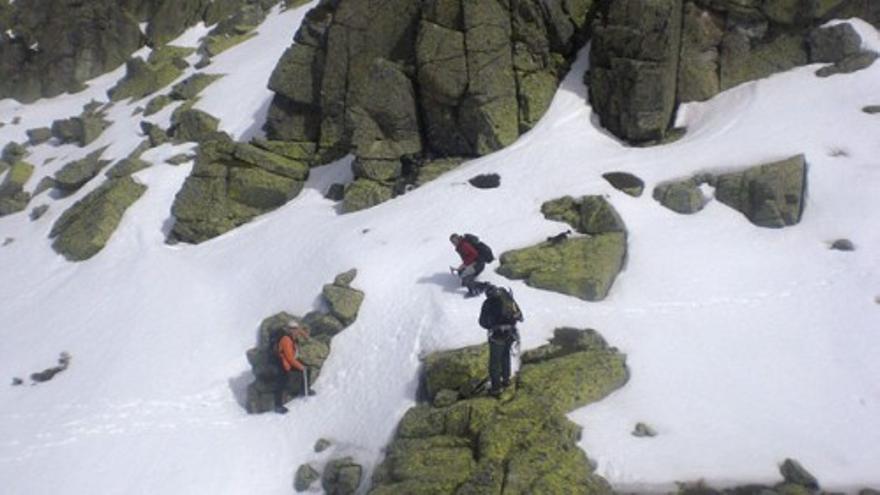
(831, 44)
(634, 66)
(81, 130)
(191, 124)
(769, 195)
(522, 443)
(143, 78)
(76, 174)
(682, 196)
(84, 229)
(455, 370)
(341, 476)
(13, 197)
(230, 184)
(190, 87)
(587, 215)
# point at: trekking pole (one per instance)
(306, 381)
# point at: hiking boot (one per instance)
(470, 294)
(281, 410)
(505, 383)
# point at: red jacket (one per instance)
(467, 251)
(287, 353)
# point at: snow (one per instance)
(745, 345)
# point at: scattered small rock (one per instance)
(342, 476)
(843, 245)
(180, 159)
(486, 181)
(850, 64)
(643, 430)
(837, 152)
(871, 109)
(16, 381)
(16, 120)
(322, 444)
(49, 373)
(306, 475)
(39, 211)
(137, 111)
(683, 196)
(336, 192)
(625, 182)
(793, 472)
(8, 241)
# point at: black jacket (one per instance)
(491, 315)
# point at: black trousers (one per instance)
(499, 361)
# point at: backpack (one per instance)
(509, 309)
(484, 252)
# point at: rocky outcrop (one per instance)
(769, 195)
(82, 130)
(84, 229)
(682, 196)
(341, 476)
(144, 77)
(584, 267)
(520, 443)
(13, 197)
(647, 57)
(343, 302)
(406, 80)
(230, 184)
(77, 173)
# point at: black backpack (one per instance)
(508, 307)
(484, 252)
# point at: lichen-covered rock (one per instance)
(385, 171)
(321, 445)
(172, 18)
(794, 473)
(769, 195)
(54, 46)
(193, 125)
(743, 59)
(456, 369)
(216, 44)
(522, 443)
(684, 196)
(39, 135)
(364, 193)
(432, 169)
(230, 184)
(702, 32)
(75, 174)
(143, 78)
(156, 104)
(302, 151)
(82, 130)
(850, 64)
(305, 476)
(587, 215)
(831, 44)
(343, 302)
(84, 229)
(634, 67)
(13, 152)
(126, 167)
(13, 197)
(190, 87)
(341, 476)
(580, 267)
(626, 182)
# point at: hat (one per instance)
(292, 324)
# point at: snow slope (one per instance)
(745, 345)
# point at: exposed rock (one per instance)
(683, 196)
(13, 152)
(143, 78)
(485, 181)
(172, 18)
(364, 193)
(39, 135)
(770, 195)
(180, 159)
(13, 197)
(343, 302)
(157, 104)
(643, 430)
(345, 279)
(634, 67)
(626, 182)
(455, 370)
(303, 151)
(871, 109)
(190, 87)
(323, 323)
(793, 472)
(217, 44)
(54, 46)
(84, 229)
(49, 373)
(306, 475)
(193, 125)
(230, 184)
(336, 192)
(126, 167)
(38, 212)
(587, 215)
(341, 476)
(702, 32)
(75, 174)
(432, 169)
(524, 441)
(82, 130)
(321, 445)
(377, 170)
(843, 245)
(850, 64)
(156, 135)
(833, 43)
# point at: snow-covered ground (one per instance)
(745, 345)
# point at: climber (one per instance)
(286, 350)
(499, 316)
(474, 256)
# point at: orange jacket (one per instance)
(287, 353)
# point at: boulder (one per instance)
(744, 59)
(126, 167)
(303, 151)
(634, 67)
(82, 130)
(850, 64)
(625, 182)
(587, 215)
(794, 473)
(642, 430)
(580, 267)
(769, 195)
(75, 174)
(832, 44)
(193, 125)
(377, 170)
(455, 370)
(431, 169)
(365, 193)
(13, 197)
(702, 32)
(485, 181)
(190, 87)
(216, 44)
(13, 152)
(343, 302)
(683, 196)
(84, 229)
(156, 104)
(172, 18)
(341, 476)
(143, 78)
(843, 245)
(871, 109)
(306, 475)
(522, 443)
(38, 212)
(321, 445)
(39, 135)
(230, 184)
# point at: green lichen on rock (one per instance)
(143, 78)
(193, 125)
(13, 197)
(343, 302)
(455, 370)
(230, 184)
(82, 130)
(431, 169)
(126, 167)
(743, 60)
(850, 64)
(303, 151)
(77, 173)
(580, 267)
(39, 135)
(84, 229)
(682, 196)
(156, 104)
(769, 195)
(217, 44)
(522, 443)
(625, 182)
(305, 476)
(190, 87)
(365, 193)
(341, 476)
(587, 215)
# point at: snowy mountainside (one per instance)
(745, 345)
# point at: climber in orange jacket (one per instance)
(286, 351)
